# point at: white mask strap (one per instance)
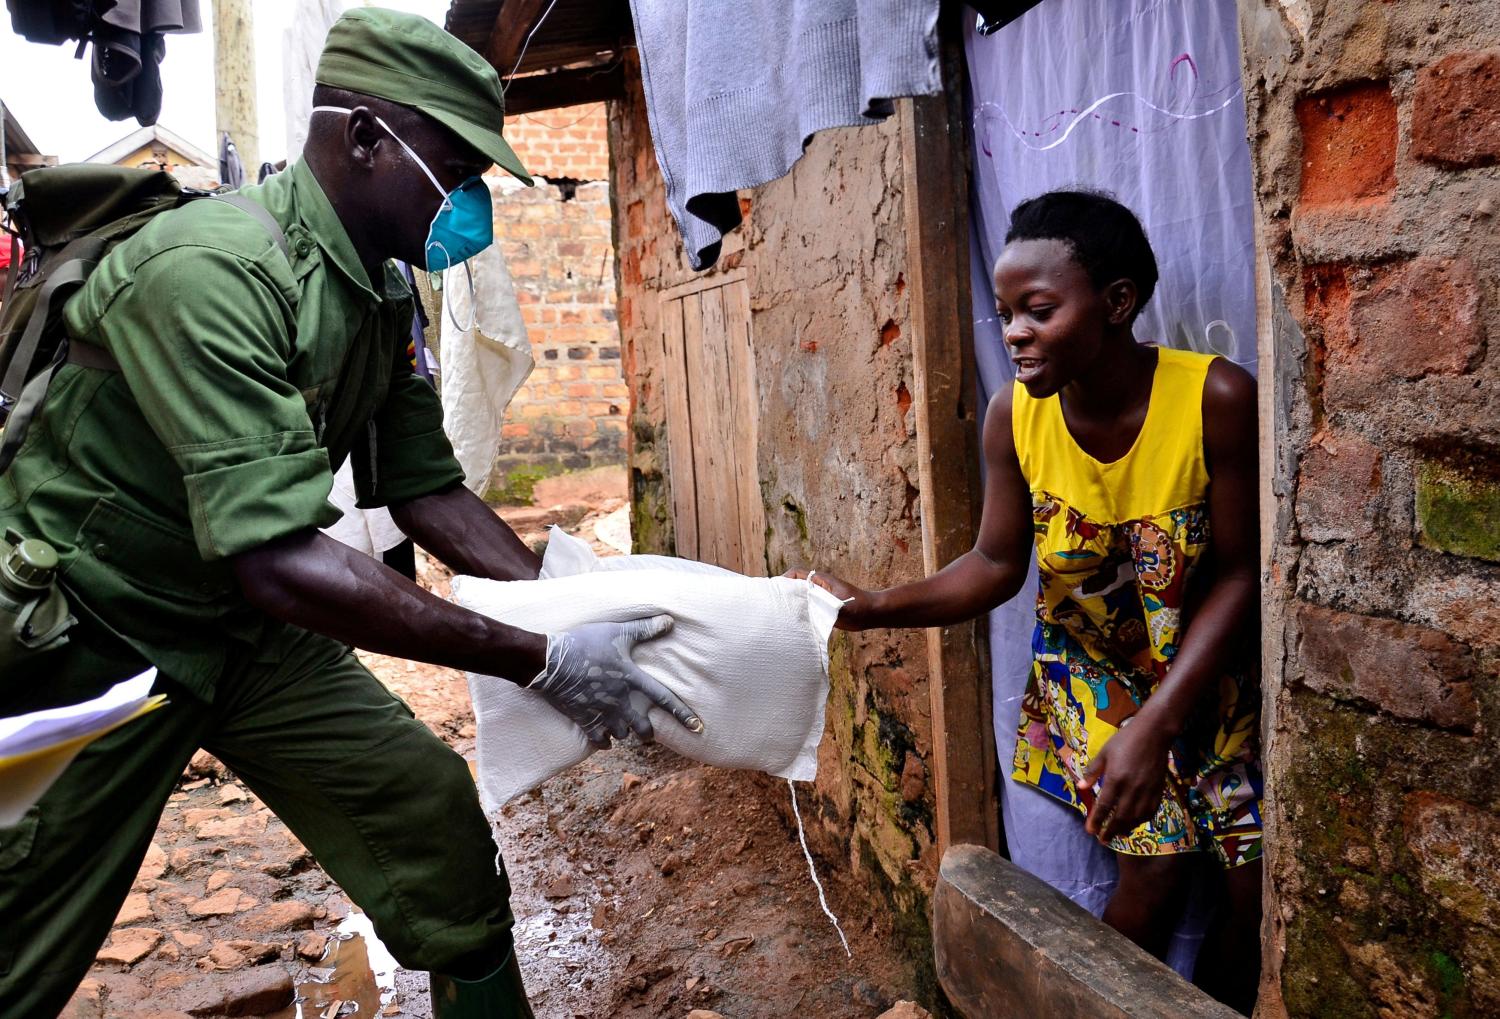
(473, 300)
(415, 158)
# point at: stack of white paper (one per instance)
(35, 748)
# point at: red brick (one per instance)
(1418, 318)
(1338, 488)
(1455, 117)
(1411, 672)
(514, 430)
(1348, 144)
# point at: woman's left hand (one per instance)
(1130, 771)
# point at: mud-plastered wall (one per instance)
(823, 251)
(1375, 129)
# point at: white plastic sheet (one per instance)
(1143, 99)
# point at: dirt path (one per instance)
(643, 886)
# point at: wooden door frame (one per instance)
(936, 196)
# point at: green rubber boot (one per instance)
(501, 995)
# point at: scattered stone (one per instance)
(256, 991)
(312, 945)
(205, 765)
(238, 954)
(87, 1002)
(703, 1013)
(600, 917)
(230, 827)
(671, 865)
(219, 879)
(224, 902)
(129, 946)
(906, 1010)
(559, 887)
(154, 865)
(290, 915)
(630, 782)
(189, 940)
(232, 794)
(289, 858)
(182, 859)
(169, 951)
(137, 907)
(202, 815)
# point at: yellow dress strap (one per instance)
(1163, 470)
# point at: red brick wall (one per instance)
(557, 241)
(1376, 133)
(570, 142)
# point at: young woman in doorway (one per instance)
(1132, 470)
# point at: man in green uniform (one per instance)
(184, 491)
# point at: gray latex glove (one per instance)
(590, 678)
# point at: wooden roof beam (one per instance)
(572, 86)
(513, 23)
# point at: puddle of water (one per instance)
(355, 977)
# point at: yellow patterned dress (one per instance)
(1120, 550)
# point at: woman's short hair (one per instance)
(1106, 237)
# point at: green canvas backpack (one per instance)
(69, 217)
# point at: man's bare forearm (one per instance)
(457, 527)
(312, 581)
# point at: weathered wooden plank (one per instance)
(743, 384)
(703, 281)
(679, 433)
(936, 204)
(722, 440)
(704, 409)
(1008, 944)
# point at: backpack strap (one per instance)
(20, 399)
(258, 212)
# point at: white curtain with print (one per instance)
(1141, 98)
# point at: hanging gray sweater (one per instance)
(736, 88)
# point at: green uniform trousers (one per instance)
(385, 806)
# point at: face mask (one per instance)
(464, 224)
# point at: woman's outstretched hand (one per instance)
(858, 603)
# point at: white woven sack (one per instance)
(748, 654)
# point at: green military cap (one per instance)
(406, 59)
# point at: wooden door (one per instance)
(711, 424)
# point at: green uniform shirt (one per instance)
(246, 377)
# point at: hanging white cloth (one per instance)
(1143, 99)
(301, 46)
(486, 356)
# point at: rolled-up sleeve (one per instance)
(203, 338)
(413, 456)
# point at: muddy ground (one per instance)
(644, 885)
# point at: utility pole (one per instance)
(234, 81)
